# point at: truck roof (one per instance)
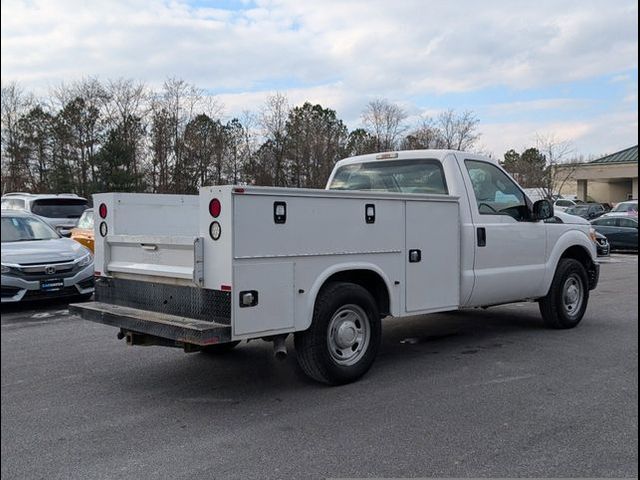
(409, 155)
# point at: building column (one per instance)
(634, 188)
(582, 190)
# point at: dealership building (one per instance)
(611, 179)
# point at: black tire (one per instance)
(220, 348)
(343, 304)
(555, 307)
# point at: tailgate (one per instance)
(178, 259)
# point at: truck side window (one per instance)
(495, 192)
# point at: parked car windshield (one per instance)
(407, 176)
(86, 220)
(578, 210)
(59, 207)
(626, 207)
(22, 229)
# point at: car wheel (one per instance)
(566, 302)
(343, 340)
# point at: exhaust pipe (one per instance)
(279, 347)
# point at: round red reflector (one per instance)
(215, 207)
(102, 210)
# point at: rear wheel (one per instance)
(220, 348)
(566, 302)
(343, 339)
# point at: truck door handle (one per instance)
(482, 237)
(148, 246)
(415, 256)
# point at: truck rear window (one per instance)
(406, 176)
(59, 207)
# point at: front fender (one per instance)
(571, 238)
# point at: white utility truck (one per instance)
(400, 233)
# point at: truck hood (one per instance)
(42, 251)
(571, 219)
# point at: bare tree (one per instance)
(426, 135)
(384, 120)
(273, 120)
(173, 108)
(126, 105)
(15, 169)
(161, 147)
(125, 98)
(561, 162)
(458, 131)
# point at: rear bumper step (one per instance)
(162, 325)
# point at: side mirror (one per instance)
(542, 210)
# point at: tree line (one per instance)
(121, 135)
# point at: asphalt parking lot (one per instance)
(473, 393)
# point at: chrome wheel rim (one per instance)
(572, 295)
(348, 335)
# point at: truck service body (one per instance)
(399, 233)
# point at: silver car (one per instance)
(38, 263)
(61, 211)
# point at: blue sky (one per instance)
(566, 68)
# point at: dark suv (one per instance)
(60, 211)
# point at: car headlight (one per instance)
(6, 269)
(592, 235)
(86, 260)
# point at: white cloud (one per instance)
(556, 104)
(379, 46)
(338, 53)
(602, 134)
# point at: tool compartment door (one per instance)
(433, 269)
(274, 311)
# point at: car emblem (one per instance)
(49, 270)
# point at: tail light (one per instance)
(102, 210)
(215, 207)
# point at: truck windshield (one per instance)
(406, 176)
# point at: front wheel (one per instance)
(566, 302)
(343, 339)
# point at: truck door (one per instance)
(510, 250)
